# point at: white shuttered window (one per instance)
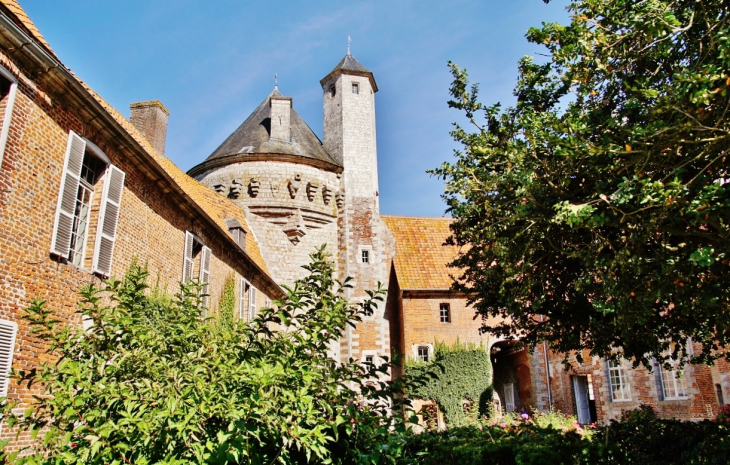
(205, 274)
(106, 234)
(242, 298)
(251, 302)
(67, 198)
(8, 330)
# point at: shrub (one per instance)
(153, 382)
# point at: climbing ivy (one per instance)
(227, 304)
(457, 372)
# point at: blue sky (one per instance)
(212, 62)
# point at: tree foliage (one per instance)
(457, 373)
(152, 382)
(594, 213)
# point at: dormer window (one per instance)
(237, 231)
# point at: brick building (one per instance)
(83, 191)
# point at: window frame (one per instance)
(355, 88)
(666, 375)
(624, 387)
(9, 106)
(423, 353)
(447, 315)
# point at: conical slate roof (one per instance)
(350, 65)
(252, 137)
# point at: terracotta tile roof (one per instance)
(216, 206)
(421, 258)
(24, 21)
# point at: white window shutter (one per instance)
(8, 330)
(187, 273)
(106, 232)
(242, 299)
(67, 196)
(205, 273)
(251, 302)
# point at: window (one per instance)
(251, 302)
(8, 91)
(423, 353)
(673, 382)
(197, 264)
(8, 330)
(355, 88)
(368, 359)
(720, 397)
(333, 90)
(243, 292)
(237, 231)
(445, 313)
(84, 210)
(509, 397)
(619, 382)
(267, 303)
(365, 256)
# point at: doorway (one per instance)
(585, 403)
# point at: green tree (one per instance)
(594, 213)
(152, 382)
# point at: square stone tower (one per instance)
(349, 135)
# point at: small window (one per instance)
(720, 397)
(445, 313)
(368, 359)
(237, 231)
(355, 88)
(423, 353)
(365, 256)
(333, 90)
(673, 382)
(619, 382)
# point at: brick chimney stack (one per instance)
(150, 118)
(280, 118)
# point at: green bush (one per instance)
(153, 382)
(458, 372)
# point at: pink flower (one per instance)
(503, 425)
(525, 416)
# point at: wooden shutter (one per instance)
(106, 232)
(8, 330)
(187, 273)
(251, 302)
(67, 196)
(205, 273)
(242, 299)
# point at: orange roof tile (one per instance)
(216, 206)
(24, 21)
(421, 257)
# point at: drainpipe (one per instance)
(547, 369)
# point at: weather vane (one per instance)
(276, 80)
(348, 44)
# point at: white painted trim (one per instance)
(6, 120)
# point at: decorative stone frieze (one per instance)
(326, 194)
(253, 187)
(235, 191)
(312, 190)
(294, 185)
(295, 228)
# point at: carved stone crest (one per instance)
(294, 185)
(295, 228)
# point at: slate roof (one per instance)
(421, 258)
(252, 137)
(350, 65)
(216, 206)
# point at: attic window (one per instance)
(237, 231)
(355, 88)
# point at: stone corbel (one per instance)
(235, 191)
(295, 228)
(253, 187)
(340, 199)
(326, 195)
(312, 190)
(294, 185)
(220, 188)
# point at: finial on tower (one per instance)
(276, 81)
(348, 44)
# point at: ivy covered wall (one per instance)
(457, 373)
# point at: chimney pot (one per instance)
(150, 118)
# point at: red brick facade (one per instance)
(159, 203)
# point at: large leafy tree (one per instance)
(594, 213)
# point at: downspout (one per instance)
(547, 369)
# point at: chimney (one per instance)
(150, 118)
(280, 118)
